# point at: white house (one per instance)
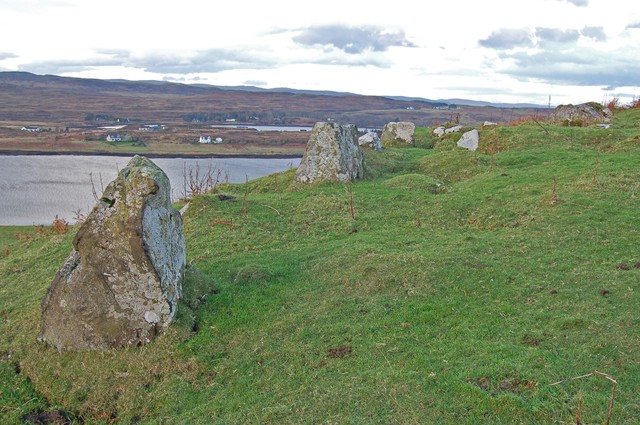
(207, 139)
(31, 129)
(114, 138)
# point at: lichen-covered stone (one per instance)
(583, 114)
(370, 140)
(121, 283)
(332, 153)
(398, 134)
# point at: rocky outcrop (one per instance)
(398, 134)
(583, 114)
(470, 140)
(454, 129)
(121, 283)
(370, 140)
(332, 153)
(442, 130)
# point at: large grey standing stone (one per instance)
(332, 153)
(586, 113)
(398, 134)
(121, 283)
(470, 140)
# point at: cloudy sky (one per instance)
(493, 50)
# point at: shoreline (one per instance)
(148, 155)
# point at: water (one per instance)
(265, 127)
(36, 188)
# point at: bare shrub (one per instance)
(79, 217)
(197, 181)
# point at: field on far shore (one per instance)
(176, 140)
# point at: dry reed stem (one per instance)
(541, 126)
(578, 415)
(269, 206)
(604, 375)
(554, 193)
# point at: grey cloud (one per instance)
(352, 40)
(7, 55)
(597, 33)
(635, 25)
(579, 3)
(63, 66)
(557, 35)
(206, 61)
(585, 67)
(506, 38)
(257, 83)
(212, 60)
(174, 79)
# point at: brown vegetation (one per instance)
(71, 112)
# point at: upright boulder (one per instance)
(332, 153)
(581, 115)
(470, 140)
(121, 283)
(398, 134)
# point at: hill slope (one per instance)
(65, 101)
(458, 305)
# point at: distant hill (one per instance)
(69, 101)
(468, 102)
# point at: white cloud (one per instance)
(517, 51)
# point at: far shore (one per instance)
(149, 155)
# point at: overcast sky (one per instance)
(493, 50)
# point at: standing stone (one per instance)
(398, 134)
(582, 114)
(470, 140)
(121, 283)
(332, 153)
(370, 140)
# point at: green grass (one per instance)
(459, 306)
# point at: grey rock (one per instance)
(439, 131)
(489, 124)
(454, 129)
(370, 140)
(332, 153)
(121, 283)
(398, 134)
(588, 113)
(470, 140)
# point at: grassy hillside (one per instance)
(465, 286)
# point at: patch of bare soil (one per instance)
(48, 417)
(493, 387)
